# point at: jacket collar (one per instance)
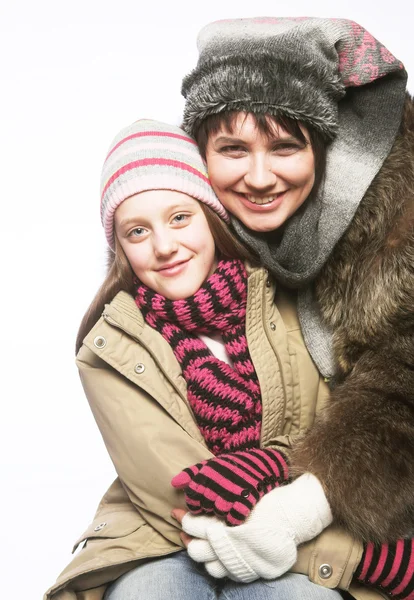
(126, 315)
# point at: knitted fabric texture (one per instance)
(390, 568)
(230, 485)
(150, 155)
(331, 75)
(226, 401)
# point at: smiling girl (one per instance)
(180, 364)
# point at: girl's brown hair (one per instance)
(120, 275)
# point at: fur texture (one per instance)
(362, 448)
(247, 83)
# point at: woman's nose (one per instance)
(260, 175)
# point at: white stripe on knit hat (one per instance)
(149, 146)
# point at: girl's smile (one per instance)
(172, 269)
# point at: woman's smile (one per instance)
(261, 203)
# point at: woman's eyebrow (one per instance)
(235, 140)
(229, 140)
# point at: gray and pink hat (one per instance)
(150, 155)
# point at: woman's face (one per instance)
(261, 180)
(167, 240)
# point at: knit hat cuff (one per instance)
(231, 83)
(115, 195)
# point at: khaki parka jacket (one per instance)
(138, 397)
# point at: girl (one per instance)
(185, 360)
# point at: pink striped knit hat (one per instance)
(150, 155)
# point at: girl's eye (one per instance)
(137, 232)
(180, 218)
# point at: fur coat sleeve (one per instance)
(362, 447)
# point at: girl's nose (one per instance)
(164, 244)
(260, 175)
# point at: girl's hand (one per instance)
(178, 514)
(230, 485)
(266, 545)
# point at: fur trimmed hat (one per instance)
(150, 155)
(294, 67)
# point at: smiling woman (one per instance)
(330, 245)
(262, 177)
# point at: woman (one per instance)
(345, 242)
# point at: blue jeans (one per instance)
(178, 577)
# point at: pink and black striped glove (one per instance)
(230, 485)
(390, 568)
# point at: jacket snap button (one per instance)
(139, 368)
(245, 493)
(99, 527)
(325, 571)
(273, 326)
(99, 342)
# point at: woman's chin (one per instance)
(262, 223)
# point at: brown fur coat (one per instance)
(362, 448)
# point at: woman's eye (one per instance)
(287, 148)
(232, 149)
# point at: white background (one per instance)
(71, 75)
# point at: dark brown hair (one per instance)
(120, 275)
(267, 125)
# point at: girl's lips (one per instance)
(174, 269)
(268, 207)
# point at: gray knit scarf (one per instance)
(327, 73)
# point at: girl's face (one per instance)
(167, 241)
(261, 180)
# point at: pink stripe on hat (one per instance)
(146, 162)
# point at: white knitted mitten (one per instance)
(265, 545)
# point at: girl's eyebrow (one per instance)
(129, 221)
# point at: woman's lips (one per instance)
(173, 269)
(270, 202)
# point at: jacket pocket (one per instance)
(114, 524)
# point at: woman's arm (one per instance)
(362, 446)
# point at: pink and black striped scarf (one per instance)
(225, 400)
